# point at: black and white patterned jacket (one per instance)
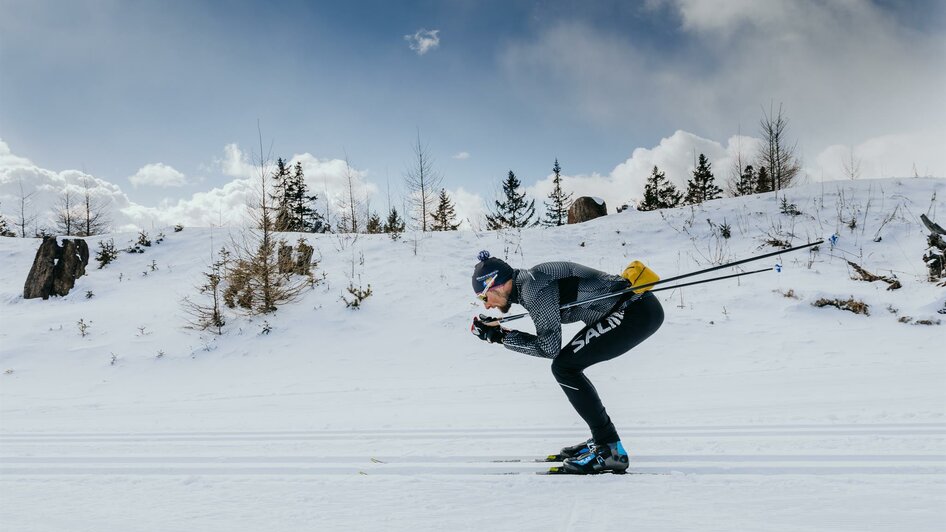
(544, 288)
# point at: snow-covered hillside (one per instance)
(755, 409)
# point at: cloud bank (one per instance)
(846, 71)
(226, 205)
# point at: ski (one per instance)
(556, 470)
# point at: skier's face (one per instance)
(498, 297)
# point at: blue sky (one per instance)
(111, 87)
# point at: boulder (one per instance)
(55, 269)
(586, 208)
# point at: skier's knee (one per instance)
(561, 370)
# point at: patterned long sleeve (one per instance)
(543, 307)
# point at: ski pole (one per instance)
(674, 287)
(676, 278)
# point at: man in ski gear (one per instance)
(612, 327)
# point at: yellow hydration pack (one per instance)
(638, 274)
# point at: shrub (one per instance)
(106, 253)
(358, 295)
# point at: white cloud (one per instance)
(675, 156)
(225, 205)
(901, 155)
(158, 175)
(44, 188)
(462, 156)
(469, 208)
(8, 160)
(737, 56)
(423, 41)
(728, 15)
(235, 163)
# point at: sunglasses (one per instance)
(487, 285)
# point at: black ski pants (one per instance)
(613, 335)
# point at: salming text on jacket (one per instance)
(544, 288)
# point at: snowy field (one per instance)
(748, 410)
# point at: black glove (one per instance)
(493, 334)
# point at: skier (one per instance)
(612, 327)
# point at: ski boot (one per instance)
(570, 452)
(609, 458)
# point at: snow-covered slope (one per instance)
(765, 412)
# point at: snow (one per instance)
(748, 410)
(598, 200)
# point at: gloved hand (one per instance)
(493, 334)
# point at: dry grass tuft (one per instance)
(851, 305)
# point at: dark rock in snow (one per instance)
(586, 208)
(55, 269)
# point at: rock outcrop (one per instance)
(586, 208)
(56, 268)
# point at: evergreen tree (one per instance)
(746, 183)
(394, 224)
(659, 193)
(763, 182)
(556, 210)
(515, 212)
(374, 225)
(282, 197)
(445, 214)
(5, 229)
(303, 218)
(702, 187)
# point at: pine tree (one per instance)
(702, 187)
(374, 224)
(282, 197)
(515, 212)
(394, 224)
(556, 210)
(659, 193)
(763, 182)
(747, 182)
(445, 214)
(303, 218)
(5, 228)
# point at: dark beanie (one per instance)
(488, 267)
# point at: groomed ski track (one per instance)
(274, 479)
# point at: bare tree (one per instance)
(348, 221)
(65, 214)
(423, 184)
(736, 169)
(93, 212)
(26, 216)
(775, 153)
(852, 166)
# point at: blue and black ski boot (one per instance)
(609, 458)
(570, 452)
